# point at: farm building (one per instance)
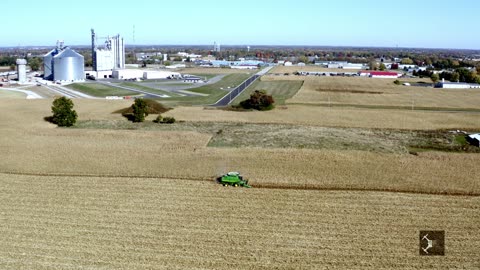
(379, 74)
(353, 66)
(152, 74)
(456, 85)
(474, 139)
(125, 74)
(407, 66)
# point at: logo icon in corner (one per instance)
(432, 243)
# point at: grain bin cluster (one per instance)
(63, 64)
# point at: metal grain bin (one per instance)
(68, 66)
(48, 65)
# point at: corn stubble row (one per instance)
(111, 223)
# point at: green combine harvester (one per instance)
(233, 179)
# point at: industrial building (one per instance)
(129, 74)
(379, 74)
(109, 57)
(456, 85)
(63, 64)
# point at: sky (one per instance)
(372, 23)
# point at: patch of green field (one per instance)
(280, 90)
(100, 90)
(148, 89)
(240, 135)
(11, 94)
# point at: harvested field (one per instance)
(142, 198)
(336, 117)
(382, 92)
(185, 154)
(293, 69)
(112, 223)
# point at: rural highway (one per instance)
(227, 99)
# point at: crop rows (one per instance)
(111, 223)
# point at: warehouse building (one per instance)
(379, 74)
(456, 85)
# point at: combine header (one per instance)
(233, 179)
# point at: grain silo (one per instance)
(21, 70)
(63, 64)
(68, 66)
(48, 65)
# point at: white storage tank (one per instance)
(22, 70)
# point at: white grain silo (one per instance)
(22, 70)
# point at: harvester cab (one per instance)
(233, 179)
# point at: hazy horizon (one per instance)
(411, 24)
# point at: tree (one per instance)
(434, 78)
(139, 110)
(372, 65)
(259, 100)
(34, 64)
(382, 67)
(303, 59)
(407, 61)
(455, 77)
(63, 113)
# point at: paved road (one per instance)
(227, 99)
(147, 94)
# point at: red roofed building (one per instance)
(379, 74)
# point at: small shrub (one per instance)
(164, 120)
(397, 82)
(63, 113)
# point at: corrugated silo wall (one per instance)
(48, 67)
(68, 69)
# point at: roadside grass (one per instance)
(100, 90)
(280, 90)
(11, 94)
